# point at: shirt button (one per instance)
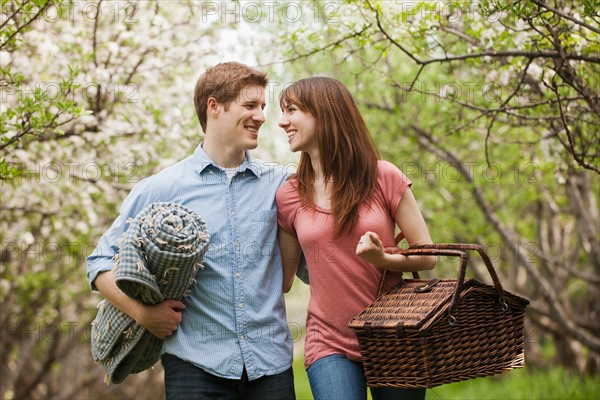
(241, 305)
(242, 337)
(237, 274)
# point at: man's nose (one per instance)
(259, 116)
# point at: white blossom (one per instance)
(27, 238)
(535, 71)
(5, 59)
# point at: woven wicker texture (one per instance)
(422, 334)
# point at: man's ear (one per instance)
(212, 106)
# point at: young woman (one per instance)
(340, 209)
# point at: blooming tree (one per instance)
(492, 109)
(95, 95)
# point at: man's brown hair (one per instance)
(224, 82)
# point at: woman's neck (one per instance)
(317, 167)
(321, 186)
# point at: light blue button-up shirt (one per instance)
(235, 315)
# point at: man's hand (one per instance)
(161, 319)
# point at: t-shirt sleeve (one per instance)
(287, 206)
(393, 183)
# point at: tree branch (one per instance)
(26, 24)
(95, 33)
(509, 238)
(565, 16)
(579, 158)
(317, 50)
(391, 39)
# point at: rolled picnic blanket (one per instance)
(158, 257)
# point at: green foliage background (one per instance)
(490, 107)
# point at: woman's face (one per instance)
(300, 128)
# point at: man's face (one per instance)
(244, 117)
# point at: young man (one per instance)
(230, 339)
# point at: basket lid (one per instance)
(412, 303)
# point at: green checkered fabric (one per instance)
(158, 258)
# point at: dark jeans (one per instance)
(185, 381)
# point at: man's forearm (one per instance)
(160, 319)
(105, 282)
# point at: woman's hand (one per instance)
(370, 248)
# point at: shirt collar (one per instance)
(203, 161)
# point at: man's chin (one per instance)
(252, 144)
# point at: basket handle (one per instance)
(457, 250)
(392, 250)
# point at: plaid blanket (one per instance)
(158, 258)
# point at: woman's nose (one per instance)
(283, 121)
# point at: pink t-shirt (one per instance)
(341, 283)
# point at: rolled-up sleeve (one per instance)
(101, 259)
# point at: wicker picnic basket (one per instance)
(425, 333)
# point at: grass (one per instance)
(528, 383)
(301, 381)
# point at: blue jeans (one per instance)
(335, 377)
(185, 381)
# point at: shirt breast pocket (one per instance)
(263, 227)
(267, 217)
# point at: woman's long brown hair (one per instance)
(348, 154)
